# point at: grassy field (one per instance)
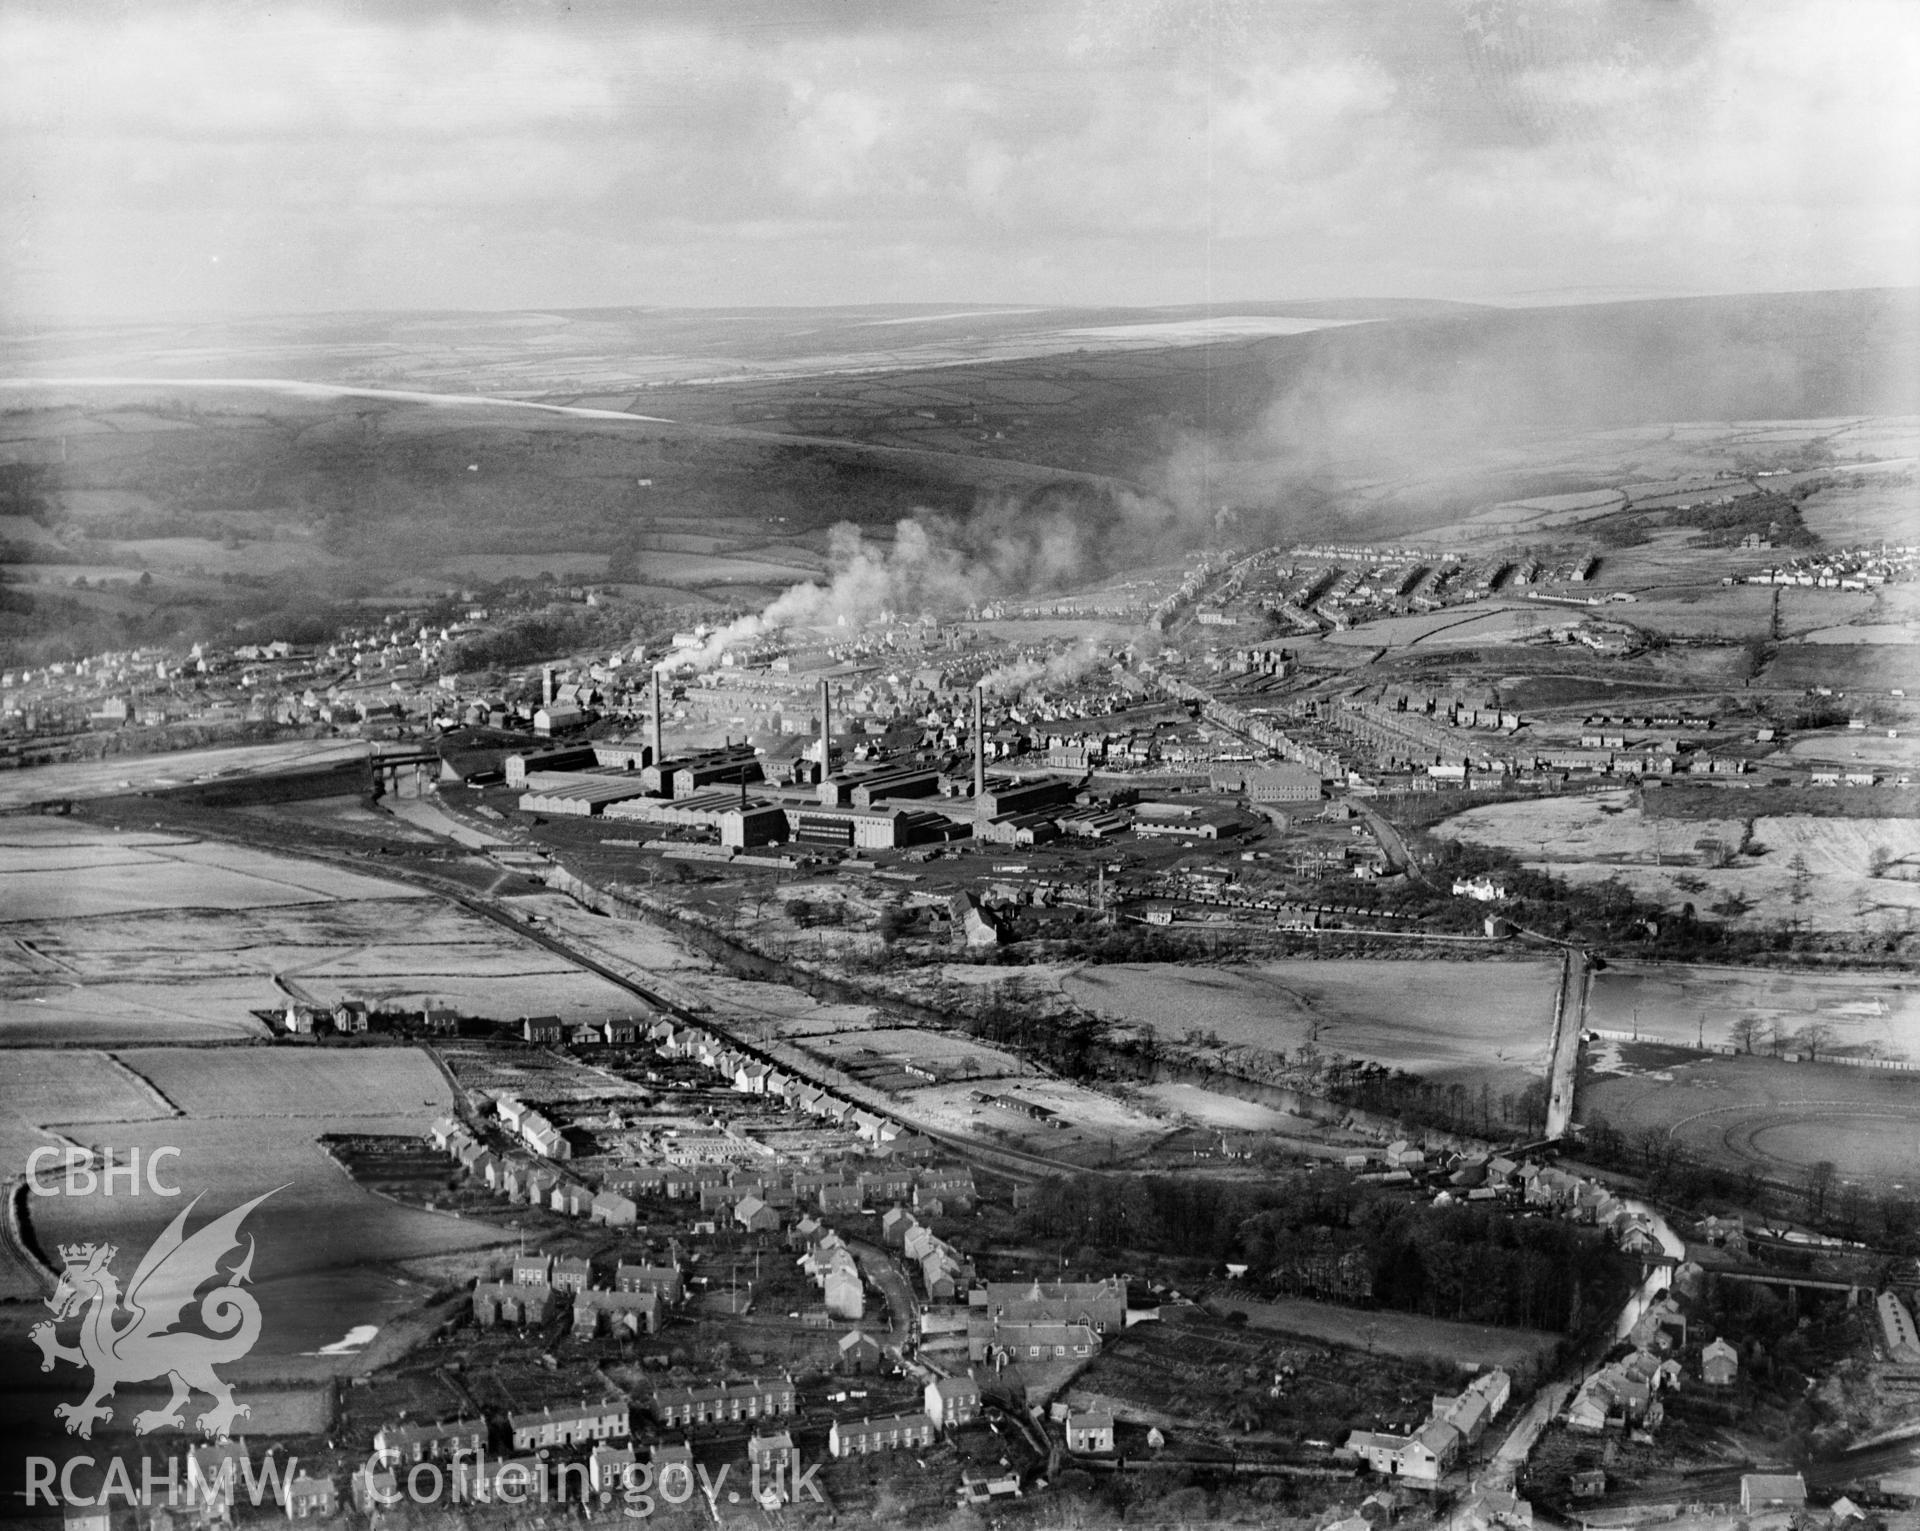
(1868, 1014)
(1780, 1118)
(1443, 1019)
(1406, 1335)
(253, 1117)
(1862, 873)
(117, 774)
(374, 1081)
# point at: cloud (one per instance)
(1142, 152)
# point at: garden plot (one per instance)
(1439, 1019)
(532, 1074)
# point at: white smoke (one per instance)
(1051, 673)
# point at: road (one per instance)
(883, 1272)
(1399, 858)
(1568, 1021)
(1518, 1446)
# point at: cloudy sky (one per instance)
(169, 158)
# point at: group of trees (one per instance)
(1463, 1263)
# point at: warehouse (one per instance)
(582, 796)
(1283, 784)
(565, 758)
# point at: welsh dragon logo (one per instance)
(151, 1343)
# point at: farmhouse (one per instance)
(619, 1312)
(1091, 1431)
(501, 1302)
(1772, 1491)
(769, 1454)
(953, 1401)
(308, 1498)
(609, 1468)
(859, 1352)
(613, 1210)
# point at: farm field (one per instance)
(1592, 838)
(140, 969)
(122, 773)
(326, 1248)
(1766, 1114)
(1869, 1014)
(1740, 611)
(52, 871)
(1440, 1019)
(384, 1081)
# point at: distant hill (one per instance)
(1125, 440)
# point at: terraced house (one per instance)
(405, 1443)
(575, 1425)
(724, 1401)
(857, 1438)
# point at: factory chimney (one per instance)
(826, 730)
(979, 751)
(546, 686)
(657, 755)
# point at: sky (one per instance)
(168, 159)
